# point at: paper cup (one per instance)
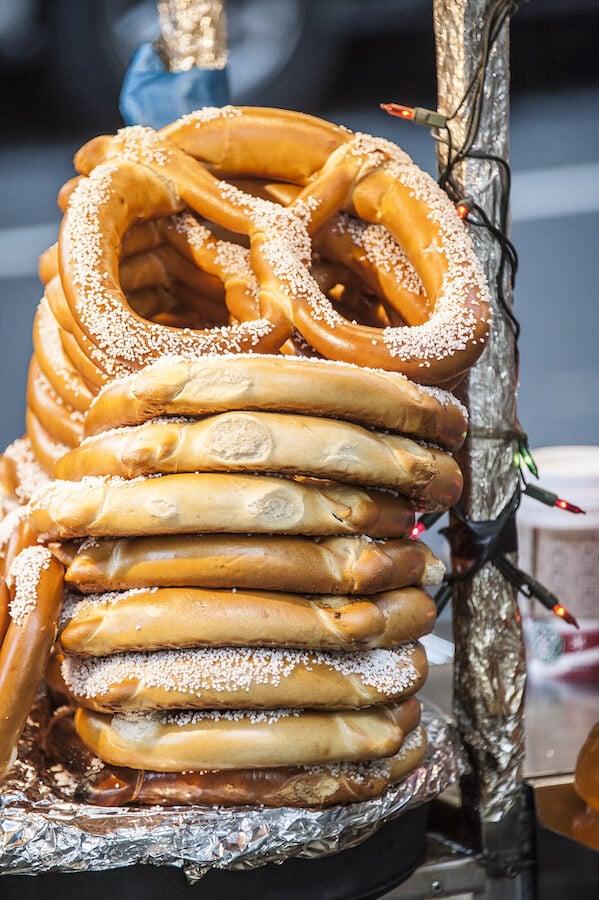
(561, 551)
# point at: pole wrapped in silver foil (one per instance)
(194, 34)
(490, 671)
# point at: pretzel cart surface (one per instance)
(262, 340)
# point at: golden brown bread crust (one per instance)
(256, 142)
(8, 477)
(300, 786)
(338, 565)
(249, 678)
(175, 743)
(9, 483)
(378, 399)
(46, 449)
(360, 247)
(21, 536)
(199, 502)
(54, 363)
(167, 618)
(365, 176)
(269, 443)
(100, 211)
(79, 350)
(29, 474)
(35, 581)
(308, 787)
(63, 423)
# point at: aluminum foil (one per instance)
(194, 34)
(490, 662)
(43, 829)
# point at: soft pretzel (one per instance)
(228, 677)
(269, 442)
(35, 582)
(100, 211)
(14, 535)
(367, 177)
(414, 213)
(164, 265)
(77, 347)
(255, 142)
(228, 262)
(237, 740)
(338, 565)
(199, 502)
(347, 287)
(182, 387)
(10, 523)
(310, 786)
(299, 786)
(423, 221)
(166, 618)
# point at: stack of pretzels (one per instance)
(225, 457)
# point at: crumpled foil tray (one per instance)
(44, 830)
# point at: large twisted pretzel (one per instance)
(140, 174)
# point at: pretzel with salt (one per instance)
(63, 423)
(207, 741)
(388, 189)
(369, 178)
(107, 330)
(245, 678)
(58, 368)
(320, 785)
(214, 502)
(180, 387)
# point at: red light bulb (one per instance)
(396, 109)
(418, 529)
(563, 613)
(569, 507)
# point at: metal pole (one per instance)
(489, 677)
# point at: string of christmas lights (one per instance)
(472, 214)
